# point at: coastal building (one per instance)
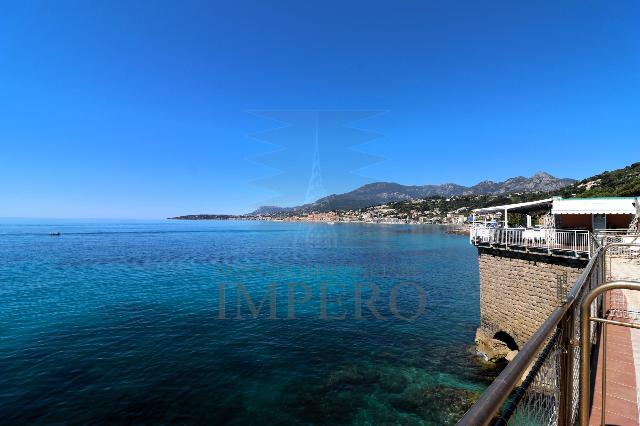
(457, 219)
(529, 254)
(555, 226)
(555, 275)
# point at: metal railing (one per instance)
(575, 241)
(605, 320)
(541, 386)
(548, 240)
(608, 238)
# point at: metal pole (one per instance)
(603, 265)
(604, 375)
(585, 344)
(566, 370)
(585, 357)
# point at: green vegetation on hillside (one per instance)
(464, 203)
(618, 183)
(623, 182)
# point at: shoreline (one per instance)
(454, 228)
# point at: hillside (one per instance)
(623, 182)
(385, 192)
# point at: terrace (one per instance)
(565, 227)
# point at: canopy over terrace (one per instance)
(610, 214)
(528, 207)
(612, 205)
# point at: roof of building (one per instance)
(517, 207)
(558, 205)
(609, 205)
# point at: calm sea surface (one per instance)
(123, 322)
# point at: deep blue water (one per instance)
(121, 322)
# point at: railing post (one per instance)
(561, 287)
(603, 266)
(566, 370)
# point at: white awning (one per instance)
(614, 205)
(517, 207)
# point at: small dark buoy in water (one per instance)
(54, 234)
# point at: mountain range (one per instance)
(384, 192)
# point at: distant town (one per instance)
(420, 211)
(385, 213)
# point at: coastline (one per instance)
(452, 228)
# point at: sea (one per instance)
(236, 322)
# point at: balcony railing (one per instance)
(578, 242)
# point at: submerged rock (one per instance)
(393, 383)
(439, 404)
(335, 400)
(324, 409)
(386, 356)
(317, 404)
(353, 375)
(386, 416)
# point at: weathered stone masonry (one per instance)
(519, 290)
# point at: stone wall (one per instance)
(518, 291)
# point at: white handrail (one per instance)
(567, 240)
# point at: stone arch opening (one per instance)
(507, 339)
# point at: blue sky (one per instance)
(144, 109)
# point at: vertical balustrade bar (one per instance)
(604, 374)
(566, 370)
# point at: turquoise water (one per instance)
(121, 322)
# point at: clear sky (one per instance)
(144, 109)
